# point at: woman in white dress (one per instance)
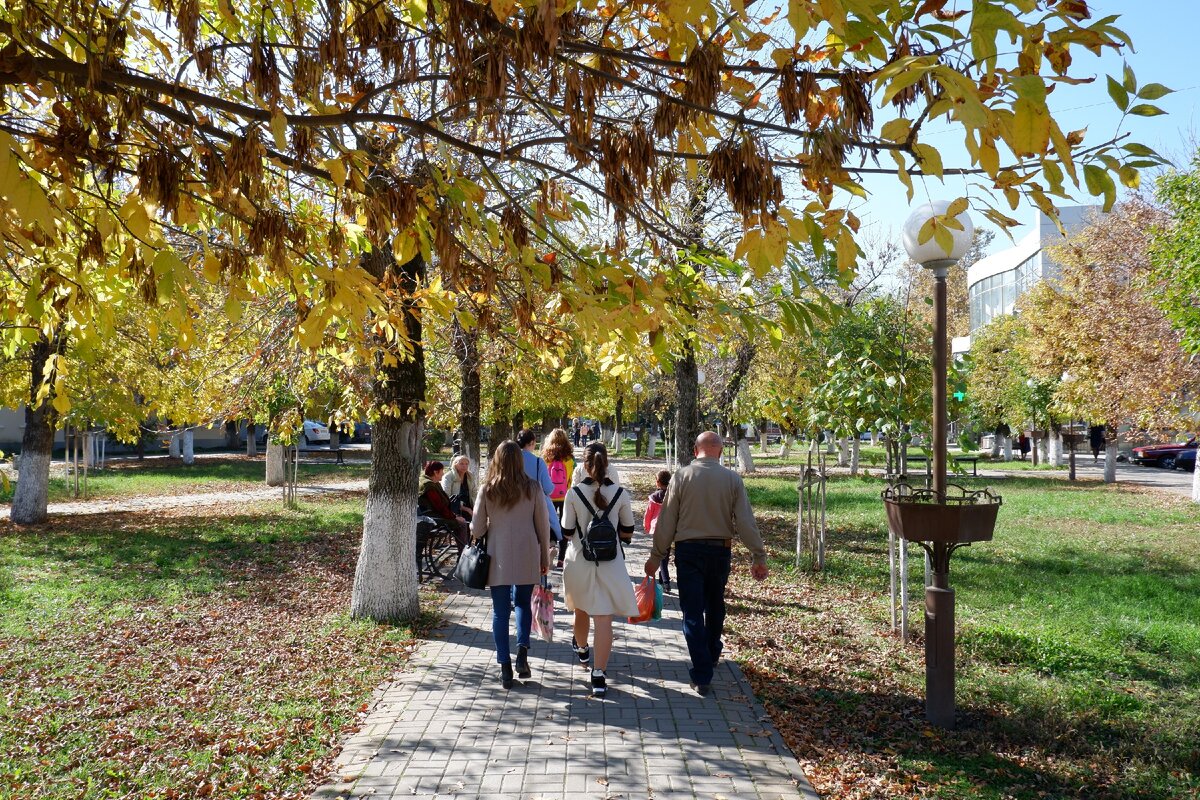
(596, 590)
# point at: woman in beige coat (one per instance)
(511, 511)
(597, 591)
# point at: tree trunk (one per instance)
(189, 446)
(231, 434)
(996, 444)
(616, 436)
(651, 444)
(31, 496)
(1055, 446)
(1110, 460)
(251, 439)
(173, 447)
(1008, 448)
(687, 409)
(466, 349)
(785, 447)
(518, 423)
(874, 438)
(745, 459)
(501, 405)
(549, 419)
(385, 579)
(276, 474)
(1196, 483)
(854, 451)
(843, 452)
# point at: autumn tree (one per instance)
(1124, 362)
(358, 154)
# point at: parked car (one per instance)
(362, 432)
(315, 432)
(1186, 460)
(1163, 455)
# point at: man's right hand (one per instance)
(651, 568)
(759, 572)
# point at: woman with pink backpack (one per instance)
(560, 460)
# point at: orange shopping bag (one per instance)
(645, 594)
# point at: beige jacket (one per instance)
(518, 538)
(706, 501)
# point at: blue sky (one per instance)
(1166, 37)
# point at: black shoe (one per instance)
(703, 689)
(506, 675)
(523, 662)
(584, 654)
(599, 683)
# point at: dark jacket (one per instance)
(434, 498)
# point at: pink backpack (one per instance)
(558, 476)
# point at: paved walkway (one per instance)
(444, 728)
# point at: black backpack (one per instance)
(600, 541)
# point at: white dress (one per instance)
(597, 588)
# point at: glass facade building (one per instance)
(997, 294)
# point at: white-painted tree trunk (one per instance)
(651, 445)
(1044, 444)
(1008, 448)
(762, 442)
(996, 443)
(385, 580)
(843, 452)
(1110, 462)
(173, 447)
(189, 447)
(1056, 449)
(874, 438)
(745, 461)
(32, 493)
(275, 467)
(854, 457)
(785, 448)
(1196, 484)
(251, 441)
(829, 443)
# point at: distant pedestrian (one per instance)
(1023, 444)
(597, 590)
(560, 463)
(511, 513)
(650, 522)
(706, 506)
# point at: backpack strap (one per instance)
(586, 504)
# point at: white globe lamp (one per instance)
(931, 253)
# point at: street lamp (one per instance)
(938, 521)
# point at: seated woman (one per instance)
(436, 503)
(457, 485)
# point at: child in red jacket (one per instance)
(653, 508)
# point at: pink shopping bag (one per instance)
(543, 610)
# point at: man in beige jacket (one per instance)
(705, 508)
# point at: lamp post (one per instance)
(938, 522)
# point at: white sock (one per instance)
(598, 673)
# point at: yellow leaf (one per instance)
(929, 158)
(1030, 127)
(279, 130)
(956, 207)
(896, 130)
(337, 170)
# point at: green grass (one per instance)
(205, 656)
(1078, 634)
(158, 477)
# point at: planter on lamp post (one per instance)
(941, 518)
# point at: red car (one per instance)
(1162, 455)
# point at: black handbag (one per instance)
(472, 567)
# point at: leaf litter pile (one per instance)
(171, 658)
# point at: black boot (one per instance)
(506, 675)
(523, 662)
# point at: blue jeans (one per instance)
(701, 572)
(503, 600)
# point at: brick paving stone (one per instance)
(444, 728)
